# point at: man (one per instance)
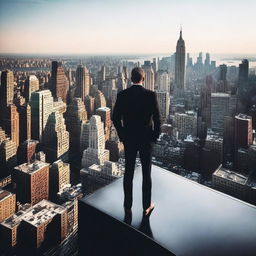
(135, 111)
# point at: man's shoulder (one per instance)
(122, 92)
(128, 90)
(150, 93)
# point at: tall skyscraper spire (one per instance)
(180, 66)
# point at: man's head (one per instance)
(138, 75)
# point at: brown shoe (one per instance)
(149, 210)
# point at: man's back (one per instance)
(134, 110)
(137, 107)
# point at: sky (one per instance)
(126, 27)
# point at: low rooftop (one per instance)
(243, 117)
(42, 212)
(71, 192)
(31, 168)
(220, 94)
(212, 137)
(16, 218)
(4, 194)
(230, 175)
(103, 109)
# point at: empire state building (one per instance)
(180, 66)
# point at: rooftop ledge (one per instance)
(189, 219)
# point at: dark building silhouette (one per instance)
(207, 88)
(26, 151)
(223, 72)
(7, 88)
(74, 117)
(25, 122)
(82, 82)
(10, 122)
(243, 70)
(222, 85)
(89, 105)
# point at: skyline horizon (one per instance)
(112, 27)
(127, 53)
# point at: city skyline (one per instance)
(107, 27)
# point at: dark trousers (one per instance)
(131, 148)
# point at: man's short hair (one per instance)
(137, 75)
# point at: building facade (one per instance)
(32, 182)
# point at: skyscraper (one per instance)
(105, 114)
(89, 105)
(82, 82)
(10, 122)
(32, 182)
(163, 99)
(207, 61)
(223, 72)
(243, 131)
(219, 109)
(8, 151)
(108, 86)
(149, 82)
(56, 138)
(24, 122)
(96, 152)
(41, 103)
(180, 66)
(100, 100)
(207, 88)
(27, 151)
(7, 88)
(7, 204)
(189, 61)
(163, 81)
(59, 82)
(155, 66)
(215, 144)
(59, 177)
(31, 85)
(243, 70)
(84, 137)
(186, 123)
(74, 116)
(121, 84)
(102, 74)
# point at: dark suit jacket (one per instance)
(136, 114)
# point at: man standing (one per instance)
(136, 118)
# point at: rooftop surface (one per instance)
(42, 212)
(103, 109)
(220, 94)
(31, 168)
(230, 175)
(189, 218)
(16, 218)
(4, 194)
(243, 117)
(211, 137)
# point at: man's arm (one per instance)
(156, 118)
(117, 117)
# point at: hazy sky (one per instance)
(131, 26)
